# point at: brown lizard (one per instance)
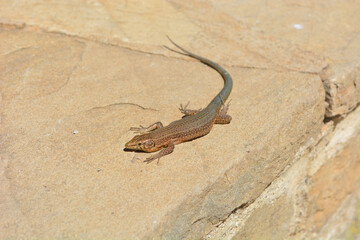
(196, 123)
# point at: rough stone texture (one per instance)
(316, 197)
(87, 178)
(335, 172)
(326, 28)
(345, 223)
(342, 89)
(144, 26)
(75, 75)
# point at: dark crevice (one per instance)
(339, 117)
(336, 119)
(219, 221)
(197, 220)
(245, 204)
(242, 206)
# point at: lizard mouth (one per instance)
(131, 146)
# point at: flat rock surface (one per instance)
(75, 76)
(326, 28)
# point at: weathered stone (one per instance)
(342, 86)
(268, 221)
(344, 223)
(136, 26)
(335, 173)
(327, 29)
(64, 130)
(74, 76)
(315, 198)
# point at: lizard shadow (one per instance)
(132, 150)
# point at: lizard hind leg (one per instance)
(188, 112)
(222, 117)
(225, 108)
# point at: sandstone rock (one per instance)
(325, 29)
(64, 130)
(315, 198)
(74, 76)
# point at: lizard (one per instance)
(194, 124)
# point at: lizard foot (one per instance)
(139, 129)
(150, 128)
(187, 112)
(150, 159)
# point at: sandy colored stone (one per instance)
(144, 26)
(339, 174)
(75, 75)
(268, 222)
(353, 230)
(67, 106)
(345, 222)
(316, 197)
(342, 89)
(328, 29)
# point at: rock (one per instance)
(75, 76)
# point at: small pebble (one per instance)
(298, 26)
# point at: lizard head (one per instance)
(142, 143)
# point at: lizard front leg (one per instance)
(150, 128)
(165, 151)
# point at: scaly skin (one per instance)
(197, 123)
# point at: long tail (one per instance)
(228, 83)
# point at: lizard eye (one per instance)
(139, 144)
(149, 143)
